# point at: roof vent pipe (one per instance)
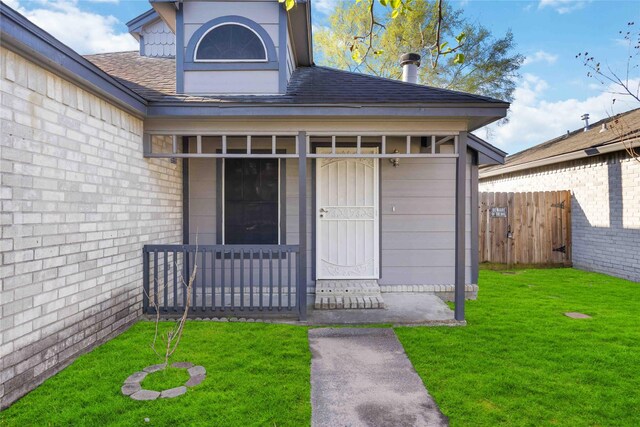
(410, 63)
(585, 117)
(603, 128)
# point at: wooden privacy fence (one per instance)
(525, 228)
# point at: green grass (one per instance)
(165, 379)
(521, 362)
(257, 375)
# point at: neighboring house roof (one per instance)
(307, 85)
(576, 144)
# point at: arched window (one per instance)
(230, 42)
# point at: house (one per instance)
(219, 144)
(594, 163)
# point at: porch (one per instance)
(269, 265)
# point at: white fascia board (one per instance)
(167, 12)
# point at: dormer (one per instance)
(227, 47)
(156, 39)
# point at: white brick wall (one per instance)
(78, 202)
(605, 208)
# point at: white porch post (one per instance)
(461, 187)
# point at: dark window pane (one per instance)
(229, 42)
(251, 201)
(269, 180)
(233, 179)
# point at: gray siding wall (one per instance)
(417, 239)
(203, 196)
(291, 62)
(605, 219)
(266, 13)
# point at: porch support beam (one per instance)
(219, 156)
(474, 219)
(302, 219)
(380, 156)
(185, 193)
(146, 145)
(461, 186)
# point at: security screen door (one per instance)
(347, 243)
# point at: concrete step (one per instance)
(348, 294)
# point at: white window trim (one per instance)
(264, 46)
(279, 203)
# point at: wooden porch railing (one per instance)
(229, 279)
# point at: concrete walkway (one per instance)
(402, 308)
(362, 377)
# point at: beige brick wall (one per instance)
(78, 202)
(605, 208)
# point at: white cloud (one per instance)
(562, 6)
(622, 42)
(82, 30)
(325, 7)
(540, 56)
(532, 120)
(13, 4)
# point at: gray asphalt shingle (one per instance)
(154, 80)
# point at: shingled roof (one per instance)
(619, 128)
(154, 80)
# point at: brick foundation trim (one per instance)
(27, 368)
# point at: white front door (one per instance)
(347, 216)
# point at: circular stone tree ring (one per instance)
(132, 385)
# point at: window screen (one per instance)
(231, 42)
(251, 201)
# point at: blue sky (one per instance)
(553, 91)
(560, 29)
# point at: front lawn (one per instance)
(521, 362)
(257, 374)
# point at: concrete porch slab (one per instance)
(362, 377)
(402, 308)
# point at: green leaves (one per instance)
(398, 7)
(355, 52)
(459, 58)
(289, 4)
